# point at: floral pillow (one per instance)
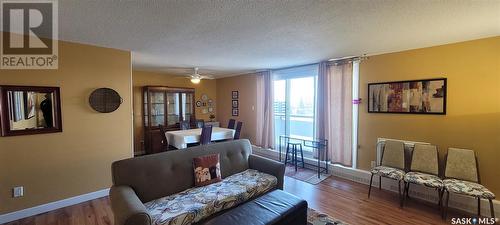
(206, 170)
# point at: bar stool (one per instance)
(294, 149)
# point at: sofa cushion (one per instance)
(276, 208)
(195, 204)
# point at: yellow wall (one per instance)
(56, 166)
(141, 78)
(473, 102)
(247, 87)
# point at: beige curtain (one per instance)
(334, 110)
(265, 125)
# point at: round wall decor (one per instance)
(105, 100)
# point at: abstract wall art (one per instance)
(412, 96)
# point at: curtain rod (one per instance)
(344, 60)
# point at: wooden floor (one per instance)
(342, 199)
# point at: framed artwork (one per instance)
(411, 97)
(235, 112)
(29, 104)
(235, 104)
(235, 94)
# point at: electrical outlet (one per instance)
(374, 164)
(17, 191)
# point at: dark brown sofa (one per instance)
(142, 179)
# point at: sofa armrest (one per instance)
(268, 166)
(127, 208)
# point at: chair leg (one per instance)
(370, 188)
(404, 192)
(492, 210)
(380, 182)
(400, 194)
(295, 156)
(287, 152)
(478, 206)
(440, 197)
(445, 209)
(302, 156)
(408, 190)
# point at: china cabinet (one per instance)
(165, 106)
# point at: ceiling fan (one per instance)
(196, 77)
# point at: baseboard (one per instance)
(460, 202)
(8, 217)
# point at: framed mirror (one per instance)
(26, 110)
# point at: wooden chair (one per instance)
(462, 177)
(391, 166)
(184, 125)
(238, 130)
(164, 140)
(206, 135)
(200, 123)
(231, 123)
(424, 170)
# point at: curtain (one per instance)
(265, 125)
(334, 110)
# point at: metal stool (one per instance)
(294, 150)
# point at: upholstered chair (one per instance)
(231, 123)
(184, 125)
(206, 135)
(462, 177)
(391, 166)
(424, 169)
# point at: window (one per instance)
(294, 102)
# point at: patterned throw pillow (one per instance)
(206, 170)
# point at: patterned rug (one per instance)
(304, 174)
(316, 218)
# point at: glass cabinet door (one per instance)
(187, 106)
(173, 109)
(157, 108)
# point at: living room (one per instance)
(309, 101)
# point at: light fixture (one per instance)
(195, 80)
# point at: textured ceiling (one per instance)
(227, 37)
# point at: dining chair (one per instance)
(200, 123)
(462, 177)
(424, 170)
(391, 166)
(238, 130)
(231, 123)
(206, 135)
(164, 140)
(184, 125)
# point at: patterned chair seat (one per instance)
(195, 204)
(389, 172)
(468, 188)
(428, 180)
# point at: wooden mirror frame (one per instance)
(4, 110)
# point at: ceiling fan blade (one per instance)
(207, 77)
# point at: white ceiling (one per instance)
(227, 37)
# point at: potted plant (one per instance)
(212, 117)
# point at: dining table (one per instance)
(181, 138)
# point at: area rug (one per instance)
(316, 218)
(304, 174)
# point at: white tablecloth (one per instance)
(180, 138)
